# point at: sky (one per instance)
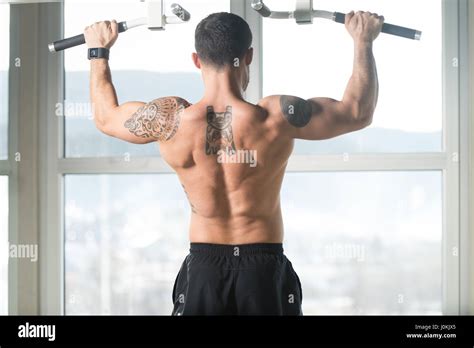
(316, 60)
(307, 61)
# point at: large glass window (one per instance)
(359, 241)
(126, 236)
(3, 245)
(4, 64)
(366, 242)
(145, 65)
(316, 61)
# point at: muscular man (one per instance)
(230, 157)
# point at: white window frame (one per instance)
(5, 171)
(37, 207)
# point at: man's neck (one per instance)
(222, 85)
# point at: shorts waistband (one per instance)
(237, 250)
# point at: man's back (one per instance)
(230, 158)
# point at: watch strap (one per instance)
(98, 53)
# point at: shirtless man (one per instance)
(236, 264)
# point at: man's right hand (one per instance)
(364, 27)
(101, 34)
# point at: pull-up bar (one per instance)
(304, 14)
(156, 20)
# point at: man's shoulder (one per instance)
(171, 103)
(272, 107)
(290, 110)
(270, 103)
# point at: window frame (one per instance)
(5, 168)
(48, 166)
(5, 163)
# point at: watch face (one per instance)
(94, 52)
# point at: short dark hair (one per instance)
(221, 38)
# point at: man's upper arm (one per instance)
(314, 119)
(141, 123)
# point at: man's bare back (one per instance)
(235, 203)
(230, 158)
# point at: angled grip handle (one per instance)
(387, 28)
(77, 40)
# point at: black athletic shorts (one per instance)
(251, 279)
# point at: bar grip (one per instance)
(261, 8)
(180, 12)
(265, 11)
(387, 28)
(77, 40)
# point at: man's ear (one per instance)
(249, 56)
(196, 61)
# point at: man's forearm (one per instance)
(362, 91)
(103, 95)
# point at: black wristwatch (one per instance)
(97, 53)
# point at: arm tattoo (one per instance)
(159, 119)
(297, 111)
(219, 136)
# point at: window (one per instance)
(145, 65)
(319, 63)
(348, 231)
(125, 235)
(360, 241)
(4, 58)
(400, 181)
(3, 245)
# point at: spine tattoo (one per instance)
(158, 119)
(219, 136)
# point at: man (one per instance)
(230, 157)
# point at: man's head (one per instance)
(223, 42)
